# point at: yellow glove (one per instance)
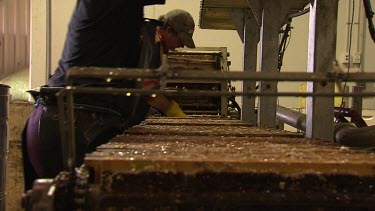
(174, 110)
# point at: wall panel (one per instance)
(14, 36)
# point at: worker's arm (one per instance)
(169, 107)
(161, 103)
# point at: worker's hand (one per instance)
(174, 110)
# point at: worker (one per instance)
(172, 30)
(102, 34)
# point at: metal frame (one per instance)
(125, 73)
(66, 101)
(220, 51)
(255, 21)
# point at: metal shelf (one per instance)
(216, 14)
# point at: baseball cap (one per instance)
(152, 2)
(182, 23)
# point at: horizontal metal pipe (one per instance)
(124, 73)
(291, 117)
(127, 91)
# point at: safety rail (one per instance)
(66, 101)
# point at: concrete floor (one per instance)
(18, 114)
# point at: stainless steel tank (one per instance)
(4, 115)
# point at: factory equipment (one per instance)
(211, 162)
(207, 162)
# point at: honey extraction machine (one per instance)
(213, 162)
(205, 162)
(198, 59)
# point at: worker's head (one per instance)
(177, 30)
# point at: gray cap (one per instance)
(183, 23)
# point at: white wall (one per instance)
(38, 44)
(14, 36)
(295, 58)
(60, 15)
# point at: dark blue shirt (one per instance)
(102, 33)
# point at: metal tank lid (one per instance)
(4, 89)
(4, 85)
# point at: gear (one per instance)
(81, 187)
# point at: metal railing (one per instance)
(107, 75)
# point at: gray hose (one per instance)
(346, 134)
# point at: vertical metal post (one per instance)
(357, 101)
(269, 62)
(224, 84)
(70, 142)
(4, 115)
(321, 56)
(63, 128)
(250, 42)
(67, 128)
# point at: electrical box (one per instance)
(357, 58)
(353, 58)
(347, 59)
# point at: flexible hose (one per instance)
(345, 133)
(369, 16)
(235, 104)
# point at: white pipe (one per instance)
(363, 52)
